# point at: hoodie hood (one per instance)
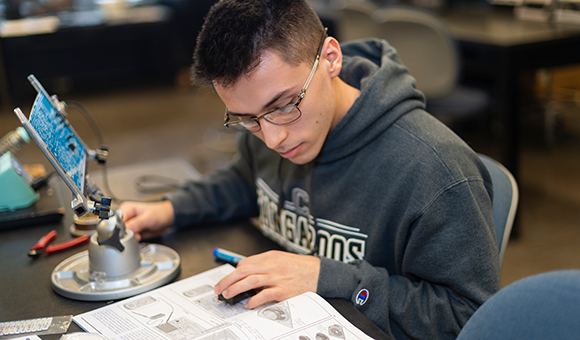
(387, 93)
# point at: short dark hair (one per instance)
(236, 33)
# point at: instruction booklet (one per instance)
(189, 309)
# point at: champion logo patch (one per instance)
(362, 297)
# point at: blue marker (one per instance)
(227, 256)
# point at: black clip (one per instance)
(103, 208)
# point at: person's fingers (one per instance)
(235, 282)
(129, 210)
(136, 223)
(227, 281)
(265, 296)
(277, 275)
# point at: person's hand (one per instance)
(148, 220)
(276, 275)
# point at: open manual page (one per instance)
(189, 309)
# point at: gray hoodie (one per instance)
(396, 205)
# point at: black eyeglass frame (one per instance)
(236, 124)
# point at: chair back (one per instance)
(354, 20)
(539, 307)
(425, 45)
(505, 201)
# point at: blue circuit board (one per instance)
(60, 139)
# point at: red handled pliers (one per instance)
(46, 239)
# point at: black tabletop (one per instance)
(25, 285)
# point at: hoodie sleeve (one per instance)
(449, 267)
(227, 194)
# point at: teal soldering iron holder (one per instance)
(15, 183)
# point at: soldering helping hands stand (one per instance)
(115, 266)
(113, 250)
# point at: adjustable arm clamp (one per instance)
(103, 209)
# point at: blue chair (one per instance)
(540, 307)
(505, 201)
(427, 47)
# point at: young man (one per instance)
(378, 202)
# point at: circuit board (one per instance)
(59, 138)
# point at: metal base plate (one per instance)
(72, 279)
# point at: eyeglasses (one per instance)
(281, 116)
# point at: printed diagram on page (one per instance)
(189, 309)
